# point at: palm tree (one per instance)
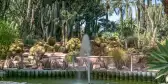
(125, 8)
(118, 4)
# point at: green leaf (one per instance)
(162, 48)
(158, 57)
(166, 45)
(158, 66)
(162, 72)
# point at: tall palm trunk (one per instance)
(121, 18)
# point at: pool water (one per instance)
(65, 81)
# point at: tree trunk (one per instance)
(106, 19)
(121, 20)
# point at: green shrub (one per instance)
(3, 51)
(7, 36)
(70, 55)
(119, 57)
(29, 42)
(110, 35)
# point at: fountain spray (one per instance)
(85, 50)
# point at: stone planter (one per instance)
(97, 62)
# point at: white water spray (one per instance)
(86, 51)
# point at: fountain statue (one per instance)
(85, 50)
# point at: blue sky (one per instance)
(115, 17)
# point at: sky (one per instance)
(115, 17)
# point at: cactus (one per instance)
(73, 44)
(70, 55)
(57, 46)
(102, 45)
(62, 49)
(37, 48)
(17, 46)
(49, 48)
(49, 15)
(51, 41)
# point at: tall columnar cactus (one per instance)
(49, 19)
(45, 20)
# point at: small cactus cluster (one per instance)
(51, 41)
(52, 46)
(49, 45)
(73, 45)
(101, 46)
(17, 46)
(37, 48)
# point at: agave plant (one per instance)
(159, 60)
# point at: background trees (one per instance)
(63, 19)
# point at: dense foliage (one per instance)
(7, 36)
(158, 60)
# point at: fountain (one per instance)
(86, 51)
(69, 76)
